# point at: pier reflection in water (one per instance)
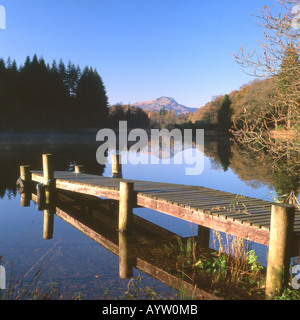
(145, 249)
(125, 250)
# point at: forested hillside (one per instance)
(224, 111)
(261, 106)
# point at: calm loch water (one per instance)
(75, 265)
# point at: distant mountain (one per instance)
(167, 102)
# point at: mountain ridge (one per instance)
(167, 102)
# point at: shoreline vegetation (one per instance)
(232, 272)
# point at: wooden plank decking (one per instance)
(245, 217)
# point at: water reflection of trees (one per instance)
(281, 172)
(68, 150)
(66, 154)
(255, 168)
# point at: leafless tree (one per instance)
(277, 130)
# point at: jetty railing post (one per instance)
(25, 175)
(41, 196)
(125, 262)
(281, 235)
(203, 236)
(25, 199)
(49, 182)
(79, 169)
(48, 168)
(48, 225)
(116, 166)
(126, 206)
(24, 184)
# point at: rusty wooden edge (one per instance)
(252, 233)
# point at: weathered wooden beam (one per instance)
(281, 235)
(97, 191)
(207, 220)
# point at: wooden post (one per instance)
(281, 235)
(79, 169)
(125, 263)
(25, 199)
(48, 177)
(41, 196)
(23, 185)
(25, 179)
(203, 237)
(48, 224)
(48, 169)
(116, 166)
(25, 174)
(126, 206)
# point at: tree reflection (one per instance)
(67, 154)
(281, 172)
(256, 168)
(220, 151)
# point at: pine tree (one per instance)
(63, 76)
(92, 102)
(3, 91)
(72, 78)
(288, 88)
(224, 114)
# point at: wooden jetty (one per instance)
(253, 219)
(238, 215)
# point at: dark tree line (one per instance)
(41, 97)
(135, 117)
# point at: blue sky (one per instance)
(142, 49)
